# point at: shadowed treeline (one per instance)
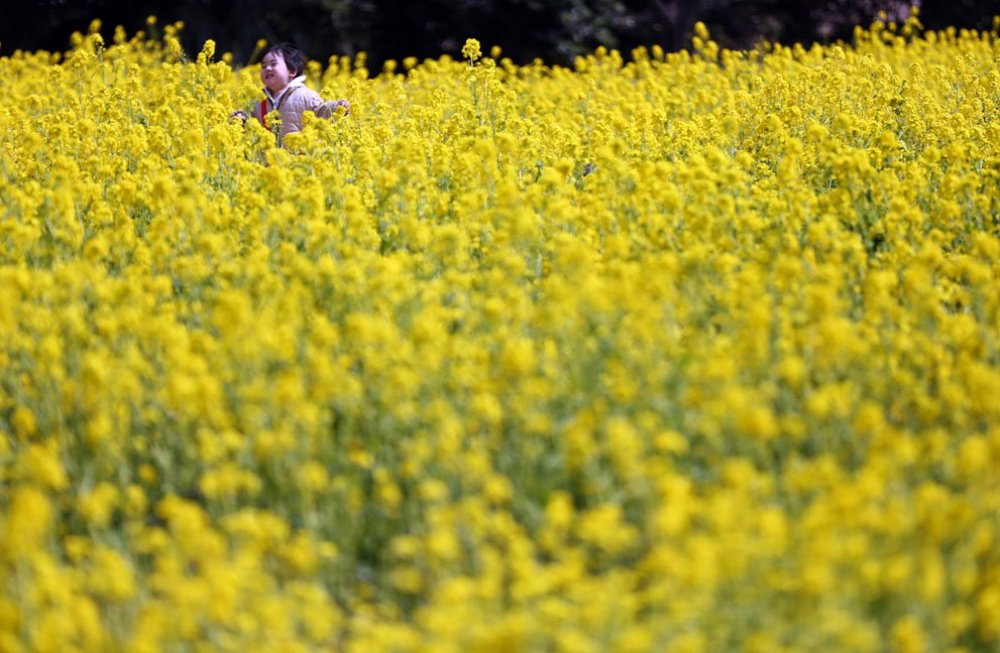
(554, 30)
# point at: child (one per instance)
(282, 71)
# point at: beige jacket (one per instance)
(294, 100)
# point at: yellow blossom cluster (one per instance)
(680, 352)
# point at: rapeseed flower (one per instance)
(684, 351)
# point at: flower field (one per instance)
(678, 352)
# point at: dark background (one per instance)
(554, 30)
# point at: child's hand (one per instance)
(342, 103)
(242, 115)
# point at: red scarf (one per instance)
(263, 112)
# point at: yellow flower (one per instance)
(908, 636)
(41, 463)
(111, 577)
(613, 356)
(517, 357)
(28, 522)
(471, 50)
(98, 505)
(988, 612)
(605, 528)
(407, 580)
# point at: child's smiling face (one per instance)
(274, 72)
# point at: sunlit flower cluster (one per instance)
(681, 352)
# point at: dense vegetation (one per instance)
(555, 30)
(697, 352)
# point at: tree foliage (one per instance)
(554, 30)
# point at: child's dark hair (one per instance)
(294, 58)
